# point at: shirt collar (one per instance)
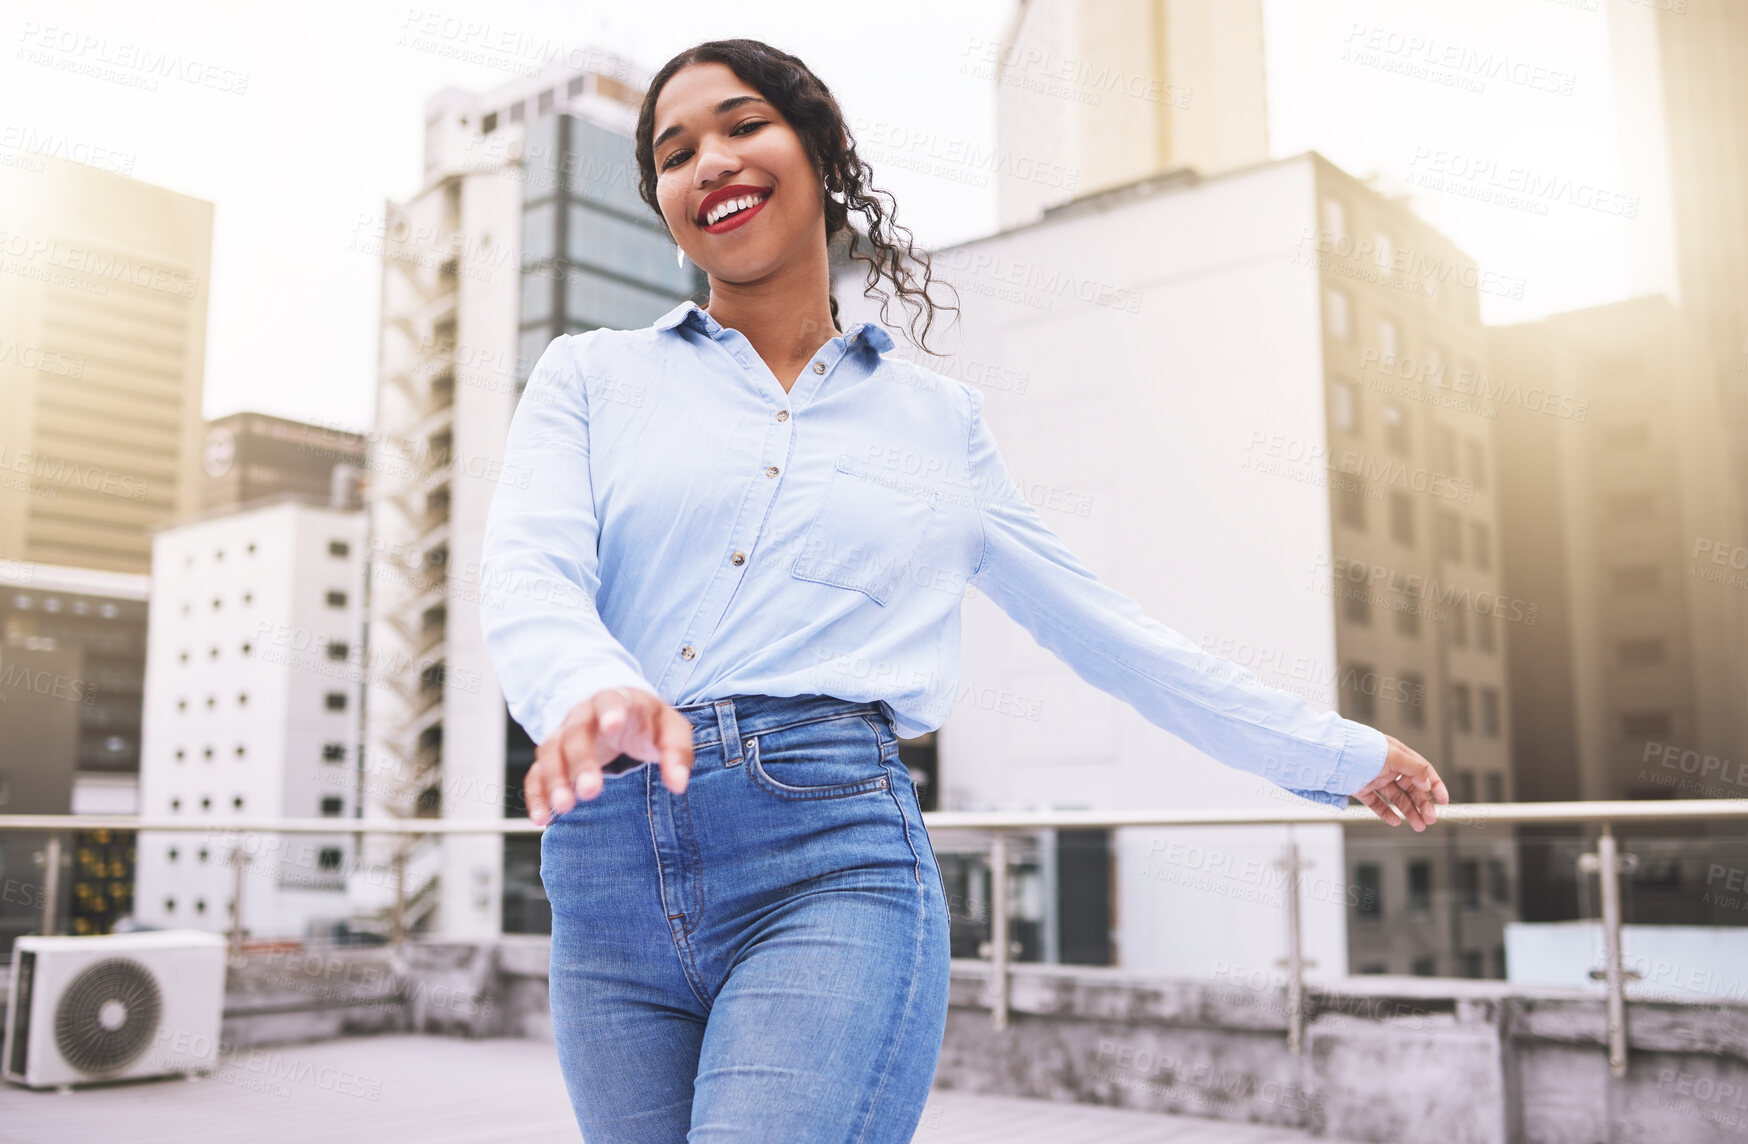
(690, 311)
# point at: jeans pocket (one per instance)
(833, 758)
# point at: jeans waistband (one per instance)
(727, 720)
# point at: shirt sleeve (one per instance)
(539, 569)
(1210, 703)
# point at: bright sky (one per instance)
(328, 124)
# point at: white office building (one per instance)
(1195, 382)
(255, 669)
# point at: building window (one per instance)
(206, 752)
(183, 657)
(546, 102)
(242, 699)
(241, 750)
(1368, 884)
(1493, 783)
(1449, 534)
(237, 802)
(1386, 250)
(488, 123)
(171, 854)
(1469, 886)
(250, 549)
(1389, 342)
(1476, 463)
(175, 804)
(1498, 882)
(1444, 450)
(339, 548)
(206, 802)
(1407, 616)
(1334, 220)
(1337, 314)
(518, 112)
(1355, 607)
(169, 905)
(1490, 711)
(328, 858)
(1402, 518)
(1350, 504)
(1484, 632)
(331, 806)
(1641, 653)
(336, 701)
(1463, 786)
(333, 752)
(1629, 507)
(1637, 578)
(1459, 626)
(1395, 428)
(336, 599)
(1471, 963)
(1641, 725)
(1345, 407)
(1420, 886)
(1499, 962)
(1414, 700)
(1460, 714)
(1433, 373)
(1360, 690)
(1481, 539)
(338, 649)
(575, 87)
(1424, 966)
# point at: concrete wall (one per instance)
(1386, 1058)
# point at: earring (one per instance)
(680, 258)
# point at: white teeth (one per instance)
(728, 206)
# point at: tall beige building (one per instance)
(1422, 622)
(1094, 94)
(104, 283)
(1622, 527)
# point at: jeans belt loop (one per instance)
(729, 729)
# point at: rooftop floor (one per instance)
(448, 1090)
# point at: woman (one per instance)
(741, 555)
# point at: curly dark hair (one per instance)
(813, 112)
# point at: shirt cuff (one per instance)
(1338, 801)
(1362, 759)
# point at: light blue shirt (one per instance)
(678, 523)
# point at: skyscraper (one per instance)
(528, 226)
(1093, 94)
(104, 282)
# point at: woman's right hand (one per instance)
(609, 723)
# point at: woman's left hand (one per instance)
(1407, 787)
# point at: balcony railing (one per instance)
(1606, 861)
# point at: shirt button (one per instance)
(687, 652)
(818, 367)
(772, 471)
(739, 559)
(783, 415)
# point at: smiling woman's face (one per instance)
(748, 151)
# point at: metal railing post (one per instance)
(998, 930)
(239, 860)
(398, 926)
(49, 857)
(1608, 864)
(1295, 960)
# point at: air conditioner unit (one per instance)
(113, 1007)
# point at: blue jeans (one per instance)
(763, 958)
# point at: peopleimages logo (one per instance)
(1427, 588)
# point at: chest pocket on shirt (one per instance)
(868, 531)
